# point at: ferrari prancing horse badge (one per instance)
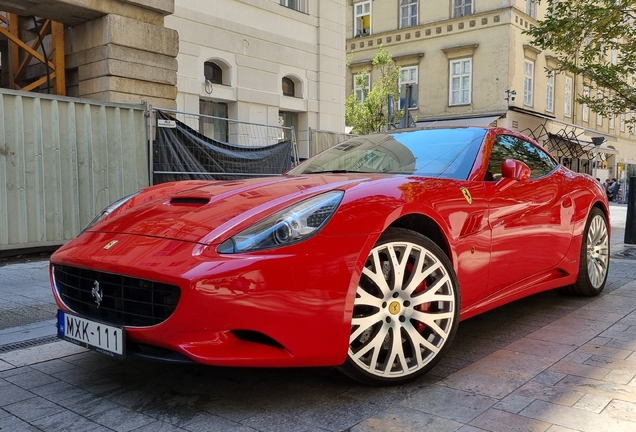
(467, 195)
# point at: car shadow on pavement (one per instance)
(183, 395)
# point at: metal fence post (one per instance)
(630, 223)
(151, 168)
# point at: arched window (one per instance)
(288, 87)
(213, 73)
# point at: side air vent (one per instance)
(189, 201)
(256, 337)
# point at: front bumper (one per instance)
(283, 307)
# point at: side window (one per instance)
(500, 152)
(509, 147)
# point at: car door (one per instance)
(530, 219)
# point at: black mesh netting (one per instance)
(194, 156)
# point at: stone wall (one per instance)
(120, 59)
(116, 50)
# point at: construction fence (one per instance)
(320, 140)
(188, 146)
(62, 160)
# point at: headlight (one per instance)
(108, 210)
(288, 226)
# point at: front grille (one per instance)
(125, 300)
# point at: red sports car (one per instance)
(365, 256)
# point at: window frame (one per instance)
(531, 9)
(216, 127)
(459, 76)
(622, 122)
(549, 92)
(585, 111)
(360, 32)
(567, 105)
(410, 81)
(300, 5)
(361, 93)
(407, 6)
(554, 12)
(288, 81)
(601, 53)
(460, 6)
(213, 67)
(599, 116)
(528, 82)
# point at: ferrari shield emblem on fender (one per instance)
(467, 195)
(110, 244)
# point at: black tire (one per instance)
(594, 259)
(416, 295)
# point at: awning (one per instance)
(590, 147)
(473, 121)
(571, 146)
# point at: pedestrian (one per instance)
(612, 187)
(615, 188)
(608, 189)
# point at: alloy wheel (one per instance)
(404, 312)
(597, 251)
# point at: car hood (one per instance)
(203, 211)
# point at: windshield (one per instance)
(448, 153)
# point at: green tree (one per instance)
(371, 113)
(594, 39)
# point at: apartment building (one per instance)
(473, 65)
(263, 61)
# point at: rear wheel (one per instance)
(594, 260)
(406, 310)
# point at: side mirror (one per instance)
(512, 171)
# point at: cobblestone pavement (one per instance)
(545, 363)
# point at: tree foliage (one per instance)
(370, 115)
(583, 35)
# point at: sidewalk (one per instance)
(27, 309)
(547, 363)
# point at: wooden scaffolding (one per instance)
(22, 54)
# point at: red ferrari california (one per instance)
(364, 257)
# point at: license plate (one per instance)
(103, 338)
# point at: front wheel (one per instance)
(594, 260)
(406, 310)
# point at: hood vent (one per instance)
(192, 201)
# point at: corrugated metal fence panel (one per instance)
(62, 160)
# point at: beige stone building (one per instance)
(473, 65)
(263, 61)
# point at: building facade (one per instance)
(263, 61)
(110, 50)
(473, 64)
